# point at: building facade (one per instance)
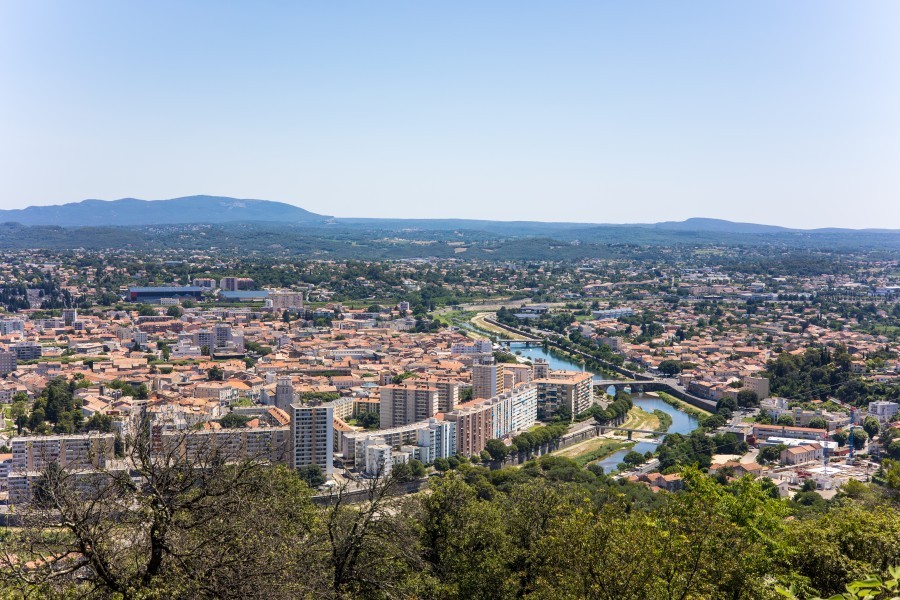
(312, 435)
(407, 403)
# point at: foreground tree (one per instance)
(205, 526)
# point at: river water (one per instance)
(681, 421)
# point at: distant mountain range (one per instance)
(131, 211)
(220, 210)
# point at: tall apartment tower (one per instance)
(7, 362)
(541, 368)
(487, 380)
(407, 403)
(284, 393)
(312, 436)
(69, 316)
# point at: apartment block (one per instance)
(571, 389)
(473, 347)
(396, 436)
(437, 440)
(286, 300)
(91, 450)
(448, 391)
(487, 380)
(407, 403)
(514, 374)
(312, 434)
(758, 385)
(883, 410)
(8, 326)
(27, 350)
(262, 443)
(7, 362)
(481, 420)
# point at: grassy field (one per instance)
(638, 418)
(593, 449)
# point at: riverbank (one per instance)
(479, 321)
(594, 449)
(697, 413)
(665, 419)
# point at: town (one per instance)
(790, 378)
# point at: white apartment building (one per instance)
(882, 409)
(473, 347)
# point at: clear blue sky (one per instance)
(783, 112)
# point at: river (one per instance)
(681, 421)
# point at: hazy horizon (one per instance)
(775, 113)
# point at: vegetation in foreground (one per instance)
(548, 530)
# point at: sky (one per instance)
(768, 111)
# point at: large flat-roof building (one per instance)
(153, 295)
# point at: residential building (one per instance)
(516, 373)
(882, 409)
(437, 440)
(243, 443)
(286, 300)
(798, 455)
(570, 389)
(758, 385)
(312, 434)
(487, 380)
(481, 420)
(472, 347)
(69, 315)
(407, 403)
(75, 451)
(233, 284)
(541, 368)
(27, 350)
(7, 362)
(8, 326)
(206, 283)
